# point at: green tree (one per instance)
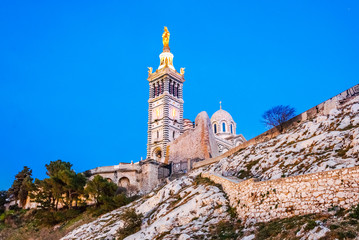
(42, 194)
(64, 186)
(3, 200)
(101, 190)
(55, 167)
(55, 170)
(74, 186)
(21, 186)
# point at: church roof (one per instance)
(221, 115)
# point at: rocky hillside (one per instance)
(320, 144)
(183, 208)
(195, 208)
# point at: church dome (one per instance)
(223, 124)
(221, 115)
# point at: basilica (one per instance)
(173, 143)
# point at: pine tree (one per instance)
(74, 186)
(3, 200)
(55, 170)
(42, 194)
(21, 186)
(100, 189)
(64, 186)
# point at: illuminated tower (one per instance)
(165, 111)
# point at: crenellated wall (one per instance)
(285, 197)
(321, 109)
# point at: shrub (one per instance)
(346, 235)
(2, 217)
(132, 223)
(340, 212)
(333, 227)
(355, 212)
(268, 230)
(311, 224)
(199, 180)
(232, 212)
(224, 230)
(51, 218)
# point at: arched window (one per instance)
(223, 127)
(232, 128)
(158, 134)
(173, 134)
(162, 87)
(215, 128)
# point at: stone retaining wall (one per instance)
(321, 109)
(286, 197)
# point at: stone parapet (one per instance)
(121, 167)
(262, 201)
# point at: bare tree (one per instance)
(277, 115)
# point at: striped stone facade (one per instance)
(165, 111)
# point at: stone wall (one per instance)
(197, 143)
(286, 197)
(141, 177)
(321, 109)
(149, 176)
(116, 172)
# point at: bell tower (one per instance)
(165, 104)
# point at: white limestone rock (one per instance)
(312, 146)
(178, 209)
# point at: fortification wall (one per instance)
(286, 197)
(321, 109)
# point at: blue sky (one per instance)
(73, 73)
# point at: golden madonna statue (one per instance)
(166, 38)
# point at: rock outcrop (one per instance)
(180, 210)
(323, 143)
